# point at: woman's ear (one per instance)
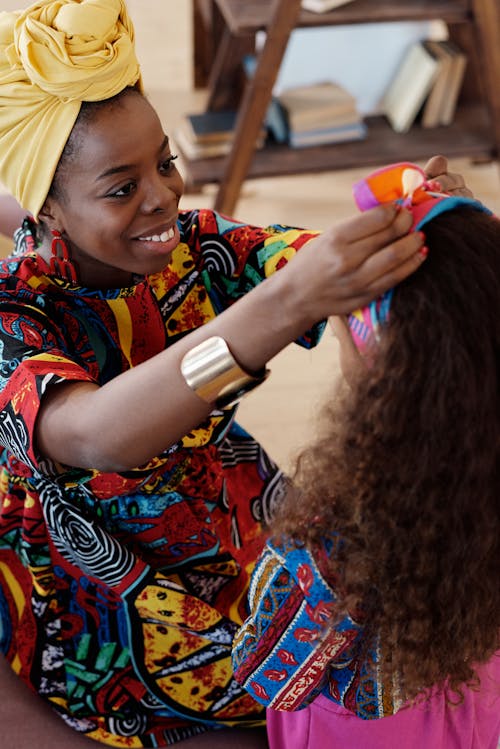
(49, 216)
(47, 212)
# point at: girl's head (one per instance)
(404, 184)
(406, 467)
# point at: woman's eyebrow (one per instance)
(164, 145)
(124, 167)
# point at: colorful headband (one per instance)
(405, 184)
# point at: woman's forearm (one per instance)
(141, 412)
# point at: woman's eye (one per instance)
(123, 191)
(168, 164)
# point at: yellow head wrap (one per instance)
(53, 56)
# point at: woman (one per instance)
(132, 503)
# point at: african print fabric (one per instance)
(314, 679)
(285, 655)
(120, 593)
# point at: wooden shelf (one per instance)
(473, 24)
(243, 17)
(469, 134)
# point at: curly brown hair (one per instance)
(406, 467)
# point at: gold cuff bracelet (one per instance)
(214, 374)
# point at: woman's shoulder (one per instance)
(200, 221)
(15, 272)
(20, 265)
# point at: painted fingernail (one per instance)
(424, 251)
(433, 184)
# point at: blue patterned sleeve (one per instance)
(283, 653)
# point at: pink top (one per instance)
(475, 724)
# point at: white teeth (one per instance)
(163, 237)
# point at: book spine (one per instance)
(325, 137)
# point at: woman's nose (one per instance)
(160, 193)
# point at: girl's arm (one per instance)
(283, 652)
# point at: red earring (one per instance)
(60, 261)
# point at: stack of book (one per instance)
(320, 114)
(426, 87)
(208, 134)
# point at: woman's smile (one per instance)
(160, 241)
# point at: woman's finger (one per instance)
(382, 221)
(436, 170)
(380, 272)
(353, 241)
(436, 166)
(453, 184)
(382, 244)
(392, 264)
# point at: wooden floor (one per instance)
(281, 412)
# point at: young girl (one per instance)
(377, 597)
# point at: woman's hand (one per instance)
(436, 170)
(354, 261)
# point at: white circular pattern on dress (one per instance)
(82, 542)
(218, 257)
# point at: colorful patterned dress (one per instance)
(120, 593)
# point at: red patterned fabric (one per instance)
(120, 593)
